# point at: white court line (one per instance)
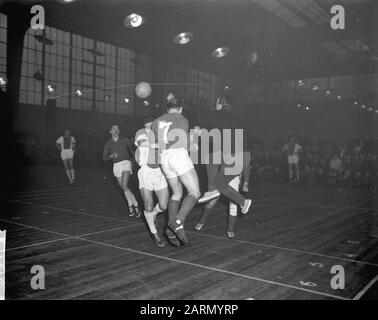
(62, 196)
(213, 236)
(38, 244)
(366, 288)
(61, 239)
(187, 263)
(286, 249)
(72, 188)
(216, 269)
(69, 210)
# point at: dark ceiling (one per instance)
(293, 38)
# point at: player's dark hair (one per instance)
(148, 119)
(175, 103)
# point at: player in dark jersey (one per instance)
(119, 150)
(172, 134)
(151, 179)
(219, 175)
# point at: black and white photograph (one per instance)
(193, 156)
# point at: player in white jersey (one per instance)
(151, 179)
(66, 145)
(293, 149)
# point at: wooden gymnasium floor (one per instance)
(91, 249)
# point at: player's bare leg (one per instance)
(71, 168)
(162, 204)
(190, 182)
(205, 213)
(149, 214)
(173, 207)
(130, 198)
(68, 171)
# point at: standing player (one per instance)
(151, 179)
(172, 132)
(119, 150)
(292, 150)
(66, 145)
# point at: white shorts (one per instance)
(66, 154)
(175, 162)
(294, 159)
(120, 167)
(151, 178)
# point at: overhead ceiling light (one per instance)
(126, 100)
(363, 107)
(183, 38)
(146, 103)
(133, 20)
(328, 93)
(339, 97)
(355, 103)
(220, 52)
(50, 88)
(299, 105)
(307, 108)
(315, 87)
(66, 1)
(3, 82)
(300, 83)
(78, 92)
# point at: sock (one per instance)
(133, 200)
(73, 174)
(156, 211)
(127, 196)
(231, 223)
(69, 175)
(150, 221)
(173, 208)
(205, 214)
(186, 206)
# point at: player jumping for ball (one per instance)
(119, 150)
(172, 133)
(66, 145)
(151, 179)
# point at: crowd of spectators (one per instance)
(343, 161)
